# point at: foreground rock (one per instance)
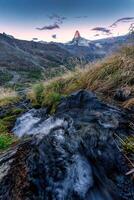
(76, 156)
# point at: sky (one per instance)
(57, 20)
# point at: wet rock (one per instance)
(72, 156)
(122, 94)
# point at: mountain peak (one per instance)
(77, 35)
(79, 41)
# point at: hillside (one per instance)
(30, 60)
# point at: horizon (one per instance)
(34, 40)
(52, 21)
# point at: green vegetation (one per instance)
(41, 96)
(6, 140)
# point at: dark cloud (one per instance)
(57, 18)
(124, 19)
(35, 38)
(49, 27)
(81, 17)
(102, 29)
(54, 36)
(96, 35)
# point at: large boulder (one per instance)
(76, 157)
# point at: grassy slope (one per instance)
(104, 78)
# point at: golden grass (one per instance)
(7, 97)
(129, 103)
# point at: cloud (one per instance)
(102, 29)
(54, 36)
(35, 39)
(57, 18)
(49, 27)
(96, 35)
(81, 17)
(124, 19)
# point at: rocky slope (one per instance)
(75, 154)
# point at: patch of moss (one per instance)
(6, 140)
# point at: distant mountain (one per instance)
(79, 41)
(91, 50)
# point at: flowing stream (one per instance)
(31, 123)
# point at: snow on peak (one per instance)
(77, 35)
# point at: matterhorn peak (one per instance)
(79, 41)
(77, 35)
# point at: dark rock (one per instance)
(76, 159)
(122, 94)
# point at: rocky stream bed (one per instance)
(73, 155)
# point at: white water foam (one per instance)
(30, 124)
